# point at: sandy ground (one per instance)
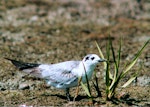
(47, 31)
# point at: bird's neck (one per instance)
(85, 68)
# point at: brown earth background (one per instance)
(52, 31)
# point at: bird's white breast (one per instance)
(84, 69)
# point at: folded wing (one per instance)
(59, 75)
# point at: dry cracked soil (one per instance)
(52, 31)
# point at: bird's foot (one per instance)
(68, 95)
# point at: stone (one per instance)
(143, 81)
(24, 86)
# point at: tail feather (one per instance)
(22, 65)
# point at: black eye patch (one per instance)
(87, 58)
(93, 58)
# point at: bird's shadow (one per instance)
(126, 100)
(78, 98)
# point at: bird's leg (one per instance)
(67, 94)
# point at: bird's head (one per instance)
(92, 59)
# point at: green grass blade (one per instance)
(117, 63)
(113, 81)
(129, 66)
(85, 89)
(87, 81)
(101, 54)
(119, 54)
(107, 67)
(113, 52)
(96, 85)
(107, 76)
(129, 81)
(135, 59)
(116, 67)
(112, 90)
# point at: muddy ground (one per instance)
(48, 31)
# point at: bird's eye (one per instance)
(87, 58)
(93, 58)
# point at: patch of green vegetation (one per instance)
(113, 79)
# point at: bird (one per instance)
(62, 75)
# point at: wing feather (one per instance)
(59, 73)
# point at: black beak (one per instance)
(102, 60)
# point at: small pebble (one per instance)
(143, 81)
(24, 86)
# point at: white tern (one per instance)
(63, 75)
